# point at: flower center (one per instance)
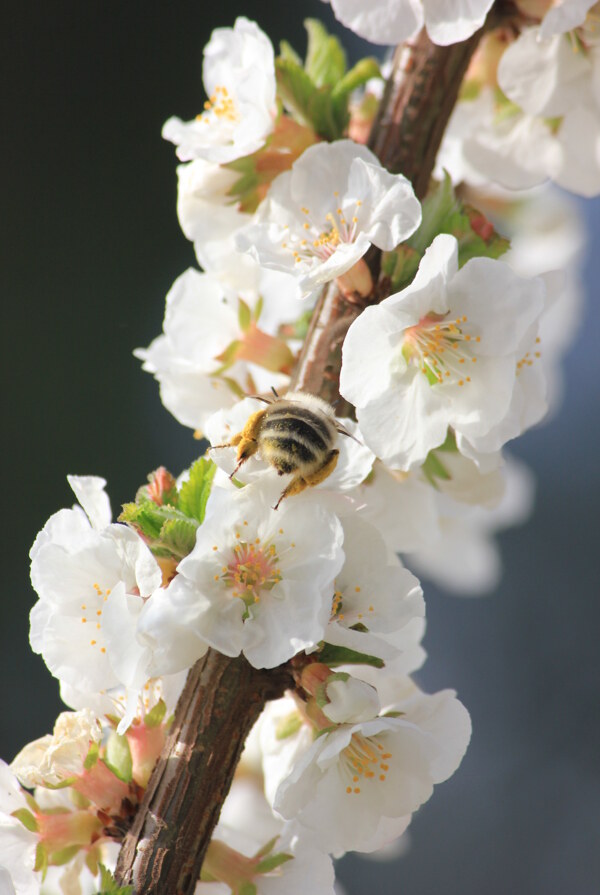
(219, 105)
(321, 238)
(363, 759)
(253, 568)
(442, 349)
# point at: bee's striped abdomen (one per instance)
(317, 425)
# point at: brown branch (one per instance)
(163, 852)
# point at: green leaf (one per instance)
(108, 884)
(286, 51)
(436, 208)
(194, 493)
(400, 265)
(325, 57)
(155, 716)
(295, 88)
(27, 819)
(340, 655)
(118, 757)
(272, 862)
(92, 757)
(178, 536)
(359, 74)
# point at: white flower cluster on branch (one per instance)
(282, 543)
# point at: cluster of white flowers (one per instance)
(459, 358)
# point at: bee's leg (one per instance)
(246, 440)
(299, 483)
(323, 471)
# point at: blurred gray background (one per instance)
(90, 246)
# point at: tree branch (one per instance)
(163, 852)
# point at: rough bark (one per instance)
(164, 850)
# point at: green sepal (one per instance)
(295, 88)
(325, 730)
(325, 57)
(400, 265)
(272, 862)
(150, 520)
(321, 697)
(92, 757)
(288, 726)
(118, 757)
(228, 357)
(27, 819)
(433, 469)
(244, 315)
(449, 445)
(108, 884)
(41, 860)
(69, 781)
(63, 855)
(155, 716)
(266, 848)
(33, 805)
(340, 655)
(362, 629)
(194, 493)
(258, 309)
(247, 888)
(91, 861)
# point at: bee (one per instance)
(295, 434)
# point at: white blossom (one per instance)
(357, 785)
(319, 218)
(394, 21)
(91, 585)
(239, 114)
(443, 352)
(56, 757)
(372, 591)
(258, 581)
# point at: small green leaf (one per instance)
(288, 726)
(364, 70)
(286, 51)
(92, 757)
(118, 757)
(178, 536)
(27, 819)
(449, 445)
(272, 862)
(155, 716)
(340, 655)
(108, 884)
(194, 493)
(295, 89)
(325, 57)
(267, 847)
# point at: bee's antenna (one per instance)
(275, 393)
(343, 431)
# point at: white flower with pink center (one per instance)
(357, 785)
(91, 577)
(258, 581)
(239, 114)
(319, 218)
(441, 353)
